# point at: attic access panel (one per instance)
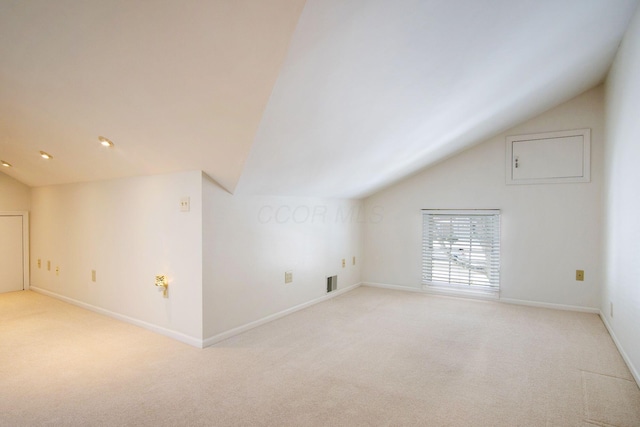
(550, 157)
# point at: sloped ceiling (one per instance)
(176, 85)
(338, 99)
(372, 91)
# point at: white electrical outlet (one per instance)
(288, 276)
(93, 275)
(185, 204)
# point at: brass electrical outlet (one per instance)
(580, 275)
(93, 275)
(48, 265)
(163, 284)
(57, 271)
(39, 263)
(344, 263)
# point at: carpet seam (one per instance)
(607, 375)
(584, 396)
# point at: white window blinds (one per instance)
(461, 249)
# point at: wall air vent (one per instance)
(332, 283)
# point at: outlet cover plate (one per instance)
(185, 204)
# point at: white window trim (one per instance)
(455, 289)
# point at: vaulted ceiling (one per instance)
(175, 84)
(333, 98)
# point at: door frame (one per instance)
(26, 282)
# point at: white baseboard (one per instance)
(487, 298)
(186, 338)
(137, 322)
(626, 358)
(551, 305)
(435, 292)
(393, 287)
(240, 329)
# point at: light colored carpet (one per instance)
(369, 357)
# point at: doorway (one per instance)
(14, 251)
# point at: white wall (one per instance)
(249, 242)
(225, 258)
(14, 196)
(548, 231)
(128, 230)
(622, 196)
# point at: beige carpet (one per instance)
(369, 357)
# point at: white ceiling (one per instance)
(176, 85)
(337, 100)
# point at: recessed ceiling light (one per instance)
(106, 142)
(5, 164)
(46, 155)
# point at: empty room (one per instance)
(319, 213)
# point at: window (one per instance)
(461, 250)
